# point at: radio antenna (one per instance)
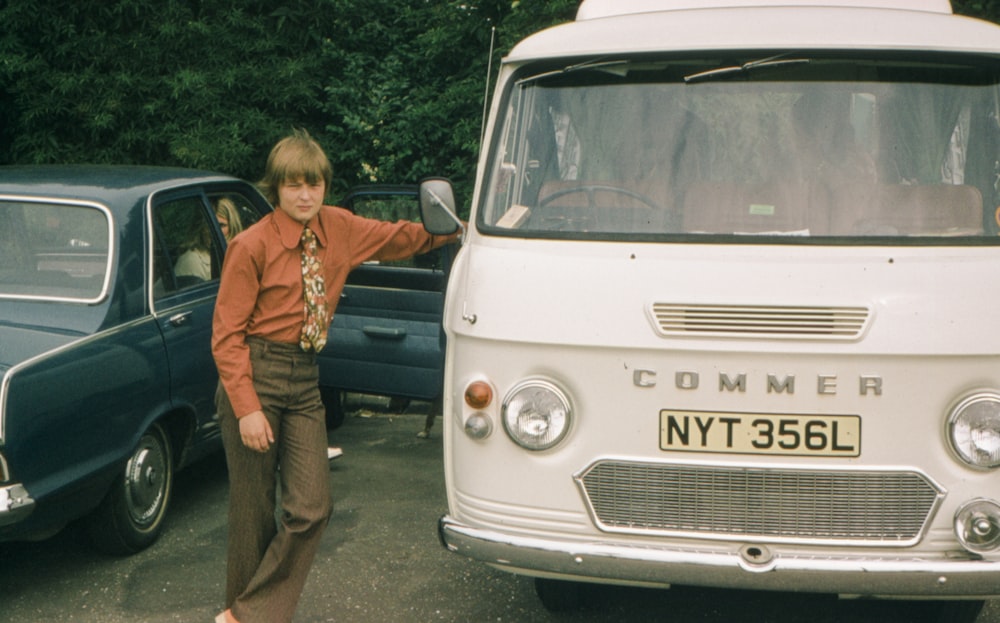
(486, 91)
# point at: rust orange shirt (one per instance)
(260, 293)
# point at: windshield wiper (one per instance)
(617, 67)
(744, 69)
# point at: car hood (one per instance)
(19, 343)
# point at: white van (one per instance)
(728, 308)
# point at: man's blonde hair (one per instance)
(295, 156)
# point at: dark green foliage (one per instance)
(986, 9)
(183, 83)
(405, 98)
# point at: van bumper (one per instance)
(899, 577)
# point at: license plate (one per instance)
(760, 433)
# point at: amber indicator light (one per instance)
(478, 395)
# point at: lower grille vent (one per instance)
(871, 507)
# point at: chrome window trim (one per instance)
(5, 383)
(4, 389)
(199, 190)
(112, 248)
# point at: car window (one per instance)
(234, 213)
(53, 251)
(186, 244)
(393, 208)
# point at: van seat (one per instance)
(732, 208)
(923, 210)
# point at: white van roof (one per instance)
(919, 26)
(593, 9)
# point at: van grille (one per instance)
(868, 507)
(759, 320)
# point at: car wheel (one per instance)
(333, 401)
(130, 517)
(559, 595)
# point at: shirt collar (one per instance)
(290, 230)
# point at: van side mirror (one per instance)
(437, 207)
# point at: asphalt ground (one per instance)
(380, 561)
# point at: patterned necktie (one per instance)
(314, 295)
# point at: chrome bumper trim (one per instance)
(15, 504)
(596, 561)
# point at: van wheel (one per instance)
(333, 401)
(130, 517)
(559, 595)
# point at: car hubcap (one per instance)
(144, 481)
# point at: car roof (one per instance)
(775, 25)
(113, 185)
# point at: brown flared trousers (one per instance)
(269, 558)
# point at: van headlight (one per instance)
(536, 414)
(974, 429)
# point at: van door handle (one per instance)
(180, 319)
(385, 333)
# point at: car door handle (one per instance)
(180, 319)
(385, 333)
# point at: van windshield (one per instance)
(788, 148)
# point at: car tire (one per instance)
(130, 517)
(559, 595)
(333, 401)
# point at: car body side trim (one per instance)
(5, 383)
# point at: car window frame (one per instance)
(154, 201)
(206, 191)
(355, 201)
(111, 242)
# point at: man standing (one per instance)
(281, 280)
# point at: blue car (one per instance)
(108, 280)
